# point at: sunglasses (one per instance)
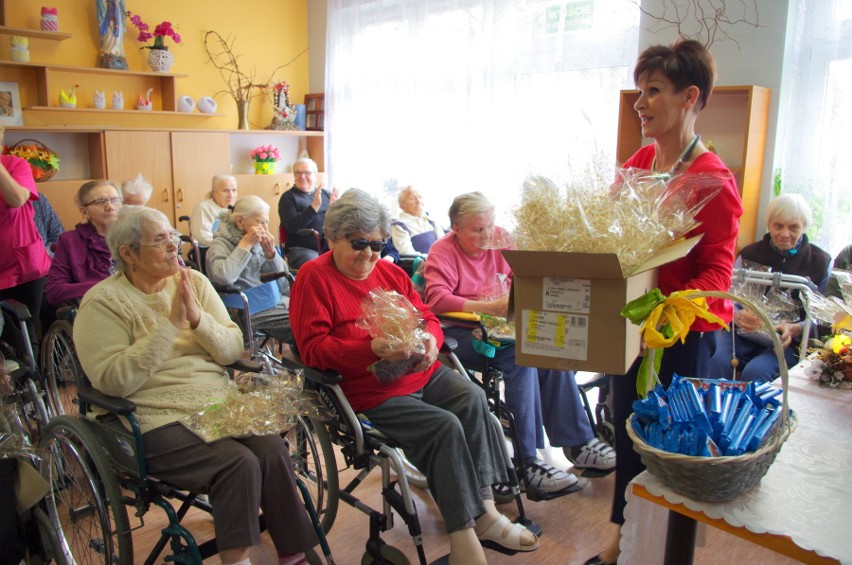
(361, 244)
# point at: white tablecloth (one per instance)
(806, 494)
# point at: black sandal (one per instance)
(596, 560)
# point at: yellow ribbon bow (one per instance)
(676, 312)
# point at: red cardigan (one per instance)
(324, 305)
(710, 263)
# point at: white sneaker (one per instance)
(594, 454)
(548, 478)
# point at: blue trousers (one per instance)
(757, 361)
(539, 399)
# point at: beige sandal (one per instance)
(505, 537)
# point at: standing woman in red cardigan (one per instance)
(675, 83)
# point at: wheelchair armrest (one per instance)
(12, 306)
(183, 218)
(226, 289)
(68, 312)
(114, 404)
(243, 367)
(464, 320)
(328, 378)
(269, 277)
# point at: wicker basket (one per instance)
(40, 173)
(727, 477)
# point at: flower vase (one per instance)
(264, 167)
(242, 114)
(160, 59)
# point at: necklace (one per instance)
(684, 156)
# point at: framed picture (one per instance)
(10, 105)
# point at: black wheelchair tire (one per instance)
(389, 553)
(77, 464)
(60, 368)
(315, 463)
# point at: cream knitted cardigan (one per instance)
(128, 348)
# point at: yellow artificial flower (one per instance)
(678, 313)
(838, 342)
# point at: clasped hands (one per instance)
(401, 352)
(748, 321)
(185, 309)
(259, 235)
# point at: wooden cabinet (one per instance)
(734, 123)
(178, 164)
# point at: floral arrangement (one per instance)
(43, 161)
(265, 154)
(161, 32)
(831, 361)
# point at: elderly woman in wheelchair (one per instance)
(243, 249)
(463, 266)
(158, 334)
(438, 417)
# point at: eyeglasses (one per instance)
(361, 245)
(302, 173)
(102, 202)
(173, 240)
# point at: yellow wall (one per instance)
(266, 34)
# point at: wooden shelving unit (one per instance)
(28, 32)
(735, 123)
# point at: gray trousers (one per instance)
(445, 430)
(241, 476)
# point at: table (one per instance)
(801, 508)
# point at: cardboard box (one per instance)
(566, 307)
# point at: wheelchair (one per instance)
(97, 471)
(28, 395)
(59, 364)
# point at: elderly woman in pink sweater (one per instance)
(461, 275)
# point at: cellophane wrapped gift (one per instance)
(635, 217)
(256, 404)
(390, 316)
(13, 442)
(778, 304)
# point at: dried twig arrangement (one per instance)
(704, 20)
(241, 83)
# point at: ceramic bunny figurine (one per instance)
(100, 100)
(143, 101)
(117, 100)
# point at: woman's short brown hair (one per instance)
(686, 63)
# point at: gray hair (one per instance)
(469, 204)
(87, 187)
(789, 207)
(306, 161)
(127, 230)
(138, 186)
(402, 194)
(245, 207)
(356, 211)
(219, 179)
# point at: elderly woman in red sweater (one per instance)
(438, 417)
(82, 258)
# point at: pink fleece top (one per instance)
(453, 276)
(23, 257)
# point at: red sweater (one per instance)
(710, 263)
(324, 305)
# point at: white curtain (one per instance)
(461, 95)
(818, 122)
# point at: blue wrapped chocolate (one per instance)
(707, 417)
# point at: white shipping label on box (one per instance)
(554, 334)
(566, 295)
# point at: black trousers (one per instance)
(689, 359)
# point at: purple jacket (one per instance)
(82, 259)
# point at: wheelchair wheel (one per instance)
(61, 369)
(31, 413)
(315, 463)
(49, 540)
(84, 505)
(389, 553)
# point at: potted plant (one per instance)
(159, 58)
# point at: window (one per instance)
(455, 96)
(816, 126)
